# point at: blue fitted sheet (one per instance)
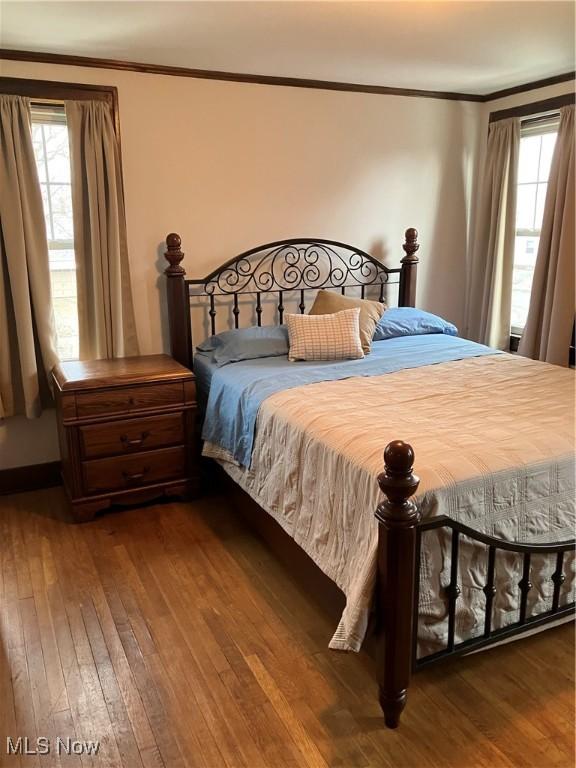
(204, 368)
(236, 391)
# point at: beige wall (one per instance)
(531, 96)
(231, 165)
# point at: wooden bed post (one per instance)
(407, 288)
(178, 303)
(397, 520)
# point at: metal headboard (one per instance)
(284, 266)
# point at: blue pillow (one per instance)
(246, 344)
(407, 321)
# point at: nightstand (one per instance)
(126, 431)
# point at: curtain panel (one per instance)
(27, 332)
(105, 309)
(551, 313)
(490, 294)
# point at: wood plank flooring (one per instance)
(174, 638)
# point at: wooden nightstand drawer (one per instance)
(125, 472)
(127, 431)
(131, 435)
(128, 399)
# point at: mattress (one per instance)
(494, 441)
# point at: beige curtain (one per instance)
(491, 286)
(105, 310)
(551, 314)
(27, 334)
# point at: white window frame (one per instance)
(537, 125)
(45, 113)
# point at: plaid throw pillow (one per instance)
(325, 337)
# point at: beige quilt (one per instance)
(494, 439)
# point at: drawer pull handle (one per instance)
(136, 442)
(134, 477)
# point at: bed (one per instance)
(476, 550)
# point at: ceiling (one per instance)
(472, 47)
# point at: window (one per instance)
(537, 140)
(51, 149)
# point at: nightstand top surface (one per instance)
(91, 374)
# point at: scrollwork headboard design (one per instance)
(285, 266)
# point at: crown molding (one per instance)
(534, 85)
(234, 77)
(292, 82)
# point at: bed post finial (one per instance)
(411, 245)
(397, 520)
(174, 255)
(178, 302)
(407, 292)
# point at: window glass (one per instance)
(525, 206)
(534, 161)
(528, 159)
(51, 150)
(548, 142)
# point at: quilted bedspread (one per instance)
(494, 442)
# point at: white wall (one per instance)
(230, 165)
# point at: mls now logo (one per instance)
(44, 746)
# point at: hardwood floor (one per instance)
(173, 637)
